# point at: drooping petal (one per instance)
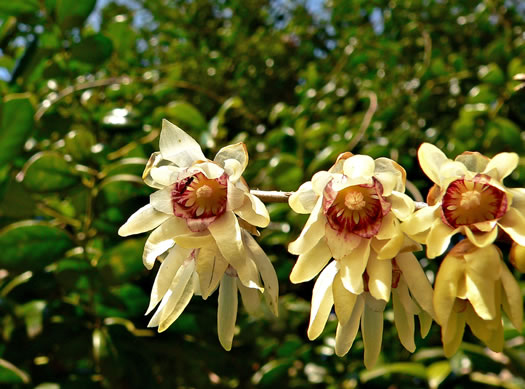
(345, 334)
(236, 152)
(183, 302)
(227, 234)
(416, 280)
(254, 211)
(421, 220)
(353, 266)
(489, 332)
(174, 293)
(235, 197)
(322, 301)
(480, 293)
(452, 333)
(161, 200)
(227, 311)
(372, 331)
(313, 230)
(265, 267)
(402, 205)
(438, 238)
(310, 263)
(481, 239)
(512, 298)
(344, 301)
(195, 240)
(404, 322)
(425, 322)
(161, 239)
(145, 219)
(431, 159)
(210, 268)
(165, 275)
(379, 277)
(513, 223)
(304, 199)
(389, 227)
(340, 244)
(485, 262)
(389, 248)
(251, 298)
(501, 165)
(450, 275)
(359, 166)
(179, 147)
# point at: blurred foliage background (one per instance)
(85, 84)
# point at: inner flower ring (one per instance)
(473, 201)
(199, 199)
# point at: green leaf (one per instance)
(31, 245)
(123, 261)
(409, 368)
(73, 13)
(184, 114)
(437, 372)
(48, 171)
(10, 374)
(10, 7)
(17, 123)
(93, 49)
(491, 74)
(79, 142)
(502, 130)
(32, 313)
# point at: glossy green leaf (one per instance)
(32, 245)
(9, 7)
(73, 13)
(185, 114)
(48, 172)
(410, 368)
(94, 49)
(17, 124)
(10, 374)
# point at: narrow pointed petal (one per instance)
(210, 268)
(416, 280)
(425, 322)
(165, 275)
(481, 239)
(265, 267)
(178, 147)
(404, 322)
(450, 274)
(380, 278)
(145, 219)
(227, 234)
(251, 298)
(304, 199)
(254, 211)
(359, 166)
(438, 238)
(183, 302)
(513, 223)
(502, 165)
(161, 239)
(322, 301)
(421, 220)
(345, 334)
(452, 333)
(480, 293)
(195, 240)
(402, 205)
(512, 298)
(310, 263)
(227, 311)
(372, 332)
(161, 200)
(389, 248)
(344, 301)
(313, 230)
(353, 266)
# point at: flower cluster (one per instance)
(359, 241)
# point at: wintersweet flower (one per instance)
(402, 277)
(471, 286)
(201, 215)
(469, 198)
(355, 209)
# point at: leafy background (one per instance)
(85, 85)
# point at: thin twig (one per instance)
(272, 196)
(366, 119)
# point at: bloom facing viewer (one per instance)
(200, 216)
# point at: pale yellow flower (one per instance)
(472, 285)
(201, 215)
(469, 198)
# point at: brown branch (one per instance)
(366, 119)
(273, 196)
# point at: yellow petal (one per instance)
(450, 274)
(389, 227)
(480, 293)
(380, 277)
(161, 200)
(177, 146)
(341, 244)
(416, 280)
(195, 240)
(473, 161)
(431, 160)
(345, 334)
(512, 298)
(501, 165)
(322, 301)
(254, 211)
(372, 332)
(485, 262)
(404, 322)
(421, 220)
(402, 205)
(235, 197)
(251, 298)
(227, 311)
(518, 199)
(387, 249)
(438, 238)
(227, 234)
(320, 180)
(513, 223)
(489, 332)
(183, 302)
(236, 152)
(313, 230)
(359, 166)
(161, 239)
(304, 199)
(353, 266)
(145, 219)
(309, 264)
(425, 322)
(390, 174)
(210, 268)
(452, 333)
(344, 301)
(481, 239)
